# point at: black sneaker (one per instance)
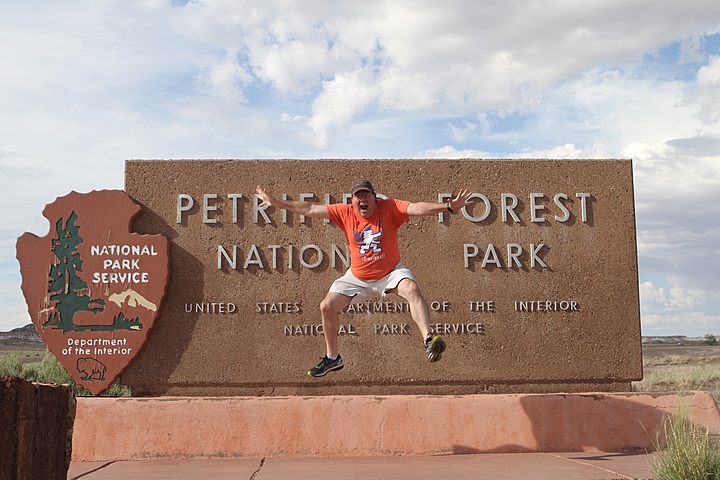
(325, 366)
(434, 347)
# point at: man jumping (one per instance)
(371, 227)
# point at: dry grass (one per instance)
(678, 368)
(685, 451)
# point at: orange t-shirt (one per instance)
(373, 241)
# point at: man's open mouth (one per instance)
(363, 206)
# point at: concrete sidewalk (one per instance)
(520, 466)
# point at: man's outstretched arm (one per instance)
(308, 209)
(427, 208)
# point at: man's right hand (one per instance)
(303, 208)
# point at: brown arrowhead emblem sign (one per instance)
(93, 288)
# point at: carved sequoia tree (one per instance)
(69, 292)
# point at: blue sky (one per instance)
(88, 84)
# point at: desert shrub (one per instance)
(117, 390)
(685, 451)
(10, 365)
(50, 370)
(32, 372)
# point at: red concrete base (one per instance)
(204, 427)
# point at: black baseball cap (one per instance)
(361, 185)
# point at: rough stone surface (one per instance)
(37, 427)
(268, 342)
(374, 425)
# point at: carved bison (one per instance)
(91, 369)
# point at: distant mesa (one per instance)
(26, 333)
(673, 339)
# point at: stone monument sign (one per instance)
(534, 287)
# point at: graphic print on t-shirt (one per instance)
(372, 241)
(369, 241)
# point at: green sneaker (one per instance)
(434, 347)
(325, 366)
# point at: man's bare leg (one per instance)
(330, 309)
(410, 291)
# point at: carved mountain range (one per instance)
(131, 298)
